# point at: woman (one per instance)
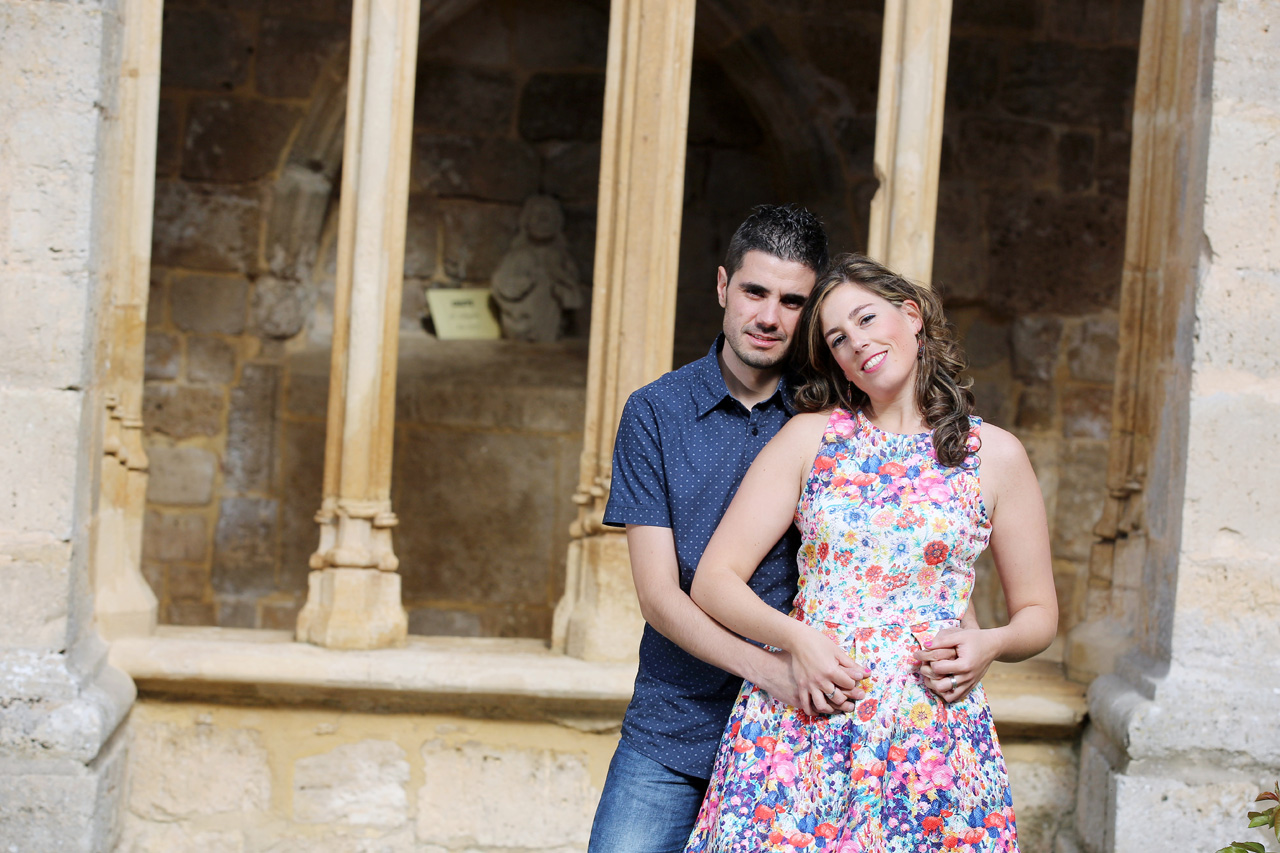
(896, 488)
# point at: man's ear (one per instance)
(722, 285)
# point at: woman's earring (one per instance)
(920, 349)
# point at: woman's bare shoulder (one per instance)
(1001, 451)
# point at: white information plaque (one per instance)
(462, 313)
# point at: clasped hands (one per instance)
(824, 679)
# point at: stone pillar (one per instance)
(64, 159)
(1186, 731)
(124, 604)
(633, 306)
(913, 85)
(353, 597)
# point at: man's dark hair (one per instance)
(785, 231)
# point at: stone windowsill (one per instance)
(515, 679)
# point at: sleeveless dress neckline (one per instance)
(889, 537)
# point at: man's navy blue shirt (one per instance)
(683, 447)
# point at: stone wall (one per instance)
(61, 762)
(1031, 224)
(218, 778)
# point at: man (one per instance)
(683, 446)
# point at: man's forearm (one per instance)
(687, 625)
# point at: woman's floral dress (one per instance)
(889, 540)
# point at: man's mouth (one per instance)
(875, 361)
(764, 340)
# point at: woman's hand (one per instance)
(955, 661)
(826, 677)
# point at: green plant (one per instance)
(1269, 818)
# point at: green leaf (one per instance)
(1251, 846)
(1259, 820)
(1267, 795)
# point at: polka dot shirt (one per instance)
(682, 449)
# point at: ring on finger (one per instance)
(953, 682)
(830, 697)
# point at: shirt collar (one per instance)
(711, 391)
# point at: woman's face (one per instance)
(873, 340)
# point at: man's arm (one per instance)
(674, 615)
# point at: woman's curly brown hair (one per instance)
(942, 391)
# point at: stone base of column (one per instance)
(599, 616)
(62, 757)
(1173, 762)
(353, 609)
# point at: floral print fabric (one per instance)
(889, 538)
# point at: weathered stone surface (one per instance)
(554, 808)
(1010, 14)
(1086, 412)
(960, 257)
(181, 411)
(480, 37)
(991, 400)
(560, 34)
(1114, 149)
(36, 437)
(279, 615)
(181, 772)
(1094, 347)
(1035, 347)
(302, 463)
(236, 611)
(464, 100)
(235, 140)
(180, 475)
(847, 53)
(476, 236)
(422, 239)
(187, 582)
(973, 65)
(293, 52)
(1076, 161)
(1003, 150)
(41, 318)
(209, 303)
(164, 355)
(562, 106)
(251, 429)
(204, 49)
(1036, 407)
(33, 601)
(718, 115)
(189, 613)
(479, 168)
(986, 343)
(174, 536)
(63, 805)
(280, 306)
(432, 622)
(1086, 21)
(244, 546)
(857, 136)
(210, 360)
(1080, 495)
(205, 227)
(1042, 777)
(446, 551)
(168, 139)
(1067, 84)
(360, 784)
(1052, 254)
(144, 837)
(300, 201)
(738, 179)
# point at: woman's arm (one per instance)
(757, 518)
(1020, 547)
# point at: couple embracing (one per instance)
(814, 684)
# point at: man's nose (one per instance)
(768, 314)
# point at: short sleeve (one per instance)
(638, 494)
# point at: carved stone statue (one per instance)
(536, 281)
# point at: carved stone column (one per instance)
(353, 598)
(124, 605)
(633, 311)
(913, 85)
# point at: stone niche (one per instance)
(1030, 233)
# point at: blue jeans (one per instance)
(645, 807)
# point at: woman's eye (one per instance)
(866, 318)
(837, 341)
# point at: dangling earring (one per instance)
(920, 349)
